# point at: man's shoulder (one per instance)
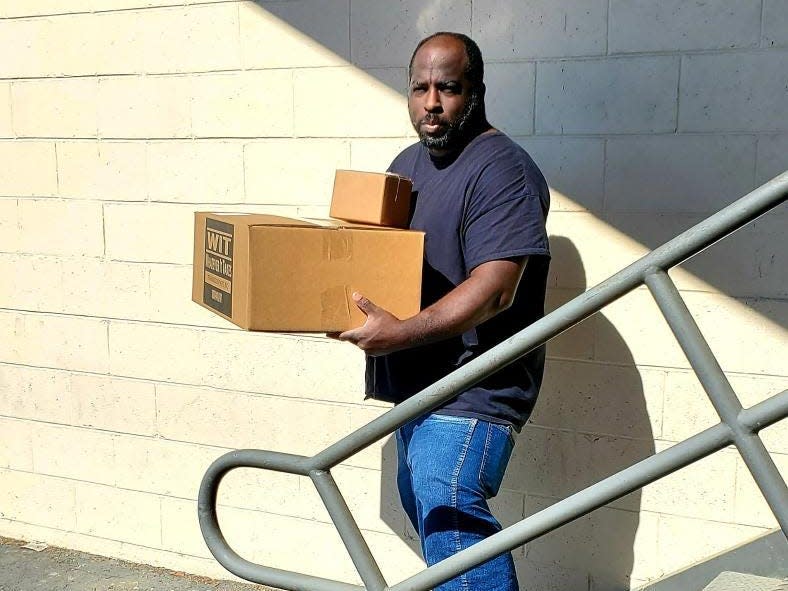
(407, 157)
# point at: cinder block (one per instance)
(535, 575)
(246, 421)
(190, 39)
(37, 499)
(119, 37)
(112, 404)
(578, 341)
(775, 24)
(65, 228)
(573, 168)
(633, 555)
(287, 34)
(707, 488)
(161, 467)
(684, 541)
(544, 462)
(196, 172)
(760, 337)
(596, 398)
(622, 95)
(376, 155)
(308, 367)
(676, 25)
(151, 232)
(243, 104)
(678, 174)
(275, 170)
(16, 448)
(368, 494)
(180, 530)
(605, 249)
(36, 394)
(9, 225)
(571, 545)
(112, 171)
(510, 96)
(170, 289)
(744, 264)
(395, 78)
(28, 169)
(28, 38)
(6, 127)
(401, 24)
(688, 409)
(751, 506)
(116, 514)
(41, 289)
(734, 92)
(75, 453)
(55, 341)
(381, 455)
(337, 102)
(35, 114)
(540, 28)
(108, 289)
(272, 492)
(151, 351)
(645, 342)
(299, 545)
(144, 107)
(772, 159)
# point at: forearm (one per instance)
(488, 290)
(468, 305)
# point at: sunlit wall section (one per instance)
(120, 118)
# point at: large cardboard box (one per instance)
(265, 272)
(376, 198)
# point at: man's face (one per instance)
(440, 98)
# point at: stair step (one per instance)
(731, 581)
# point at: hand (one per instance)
(381, 333)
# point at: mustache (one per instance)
(432, 120)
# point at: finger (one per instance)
(364, 304)
(349, 335)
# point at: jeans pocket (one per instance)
(498, 447)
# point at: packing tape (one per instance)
(337, 245)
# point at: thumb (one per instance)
(364, 304)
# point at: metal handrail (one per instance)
(738, 426)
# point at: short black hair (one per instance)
(474, 70)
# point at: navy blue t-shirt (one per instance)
(487, 203)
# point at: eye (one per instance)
(418, 88)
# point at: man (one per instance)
(483, 203)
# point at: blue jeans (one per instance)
(448, 467)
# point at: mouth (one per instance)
(432, 126)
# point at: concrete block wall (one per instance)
(120, 118)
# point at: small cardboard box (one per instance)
(271, 273)
(382, 199)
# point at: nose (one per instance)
(432, 103)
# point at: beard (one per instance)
(457, 131)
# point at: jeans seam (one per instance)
(455, 478)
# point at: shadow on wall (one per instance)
(590, 422)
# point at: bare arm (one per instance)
(488, 290)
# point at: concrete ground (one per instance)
(58, 569)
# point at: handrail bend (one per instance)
(738, 426)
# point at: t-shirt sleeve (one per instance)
(505, 214)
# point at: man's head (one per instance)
(446, 91)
